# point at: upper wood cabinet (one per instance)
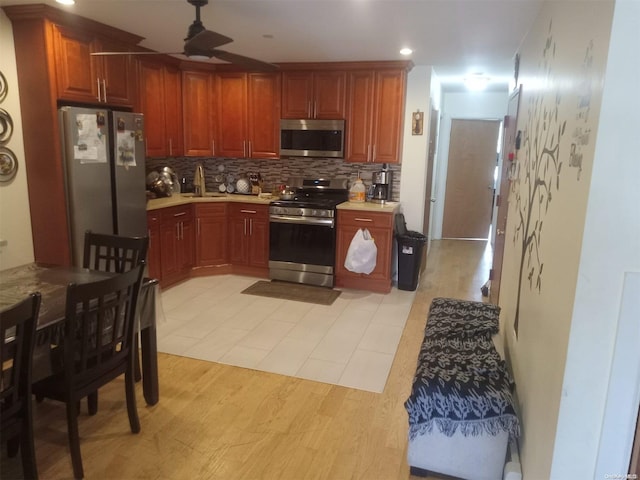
(248, 105)
(375, 115)
(319, 94)
(160, 100)
(82, 77)
(199, 113)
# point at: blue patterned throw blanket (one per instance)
(461, 383)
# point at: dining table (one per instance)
(51, 281)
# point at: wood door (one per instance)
(388, 110)
(197, 119)
(329, 95)
(76, 74)
(232, 138)
(508, 151)
(263, 115)
(172, 79)
(211, 234)
(470, 178)
(259, 241)
(151, 104)
(359, 113)
(297, 91)
(116, 73)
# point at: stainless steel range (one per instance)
(302, 231)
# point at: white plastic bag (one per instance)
(362, 253)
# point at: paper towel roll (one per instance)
(512, 471)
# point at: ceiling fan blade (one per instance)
(102, 54)
(206, 40)
(248, 63)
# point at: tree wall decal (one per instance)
(538, 176)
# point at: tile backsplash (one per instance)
(274, 171)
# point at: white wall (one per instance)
(469, 105)
(16, 243)
(414, 148)
(602, 372)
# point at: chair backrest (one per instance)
(99, 328)
(17, 340)
(113, 253)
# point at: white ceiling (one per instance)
(456, 37)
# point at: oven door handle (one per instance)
(329, 222)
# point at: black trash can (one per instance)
(410, 247)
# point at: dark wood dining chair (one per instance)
(96, 348)
(112, 253)
(17, 340)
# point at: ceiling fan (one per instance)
(202, 43)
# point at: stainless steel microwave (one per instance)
(312, 138)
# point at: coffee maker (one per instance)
(381, 184)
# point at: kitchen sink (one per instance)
(207, 194)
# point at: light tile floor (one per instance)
(350, 343)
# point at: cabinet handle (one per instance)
(250, 226)
(249, 211)
(213, 148)
(181, 230)
(179, 214)
(244, 148)
(245, 227)
(198, 225)
(249, 142)
(178, 231)
(357, 219)
(368, 153)
(309, 108)
(315, 109)
(104, 90)
(99, 95)
(373, 158)
(170, 147)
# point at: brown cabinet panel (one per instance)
(249, 235)
(375, 115)
(314, 94)
(380, 228)
(249, 103)
(160, 100)
(176, 243)
(117, 73)
(197, 89)
(211, 235)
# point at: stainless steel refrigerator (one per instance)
(104, 154)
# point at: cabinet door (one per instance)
(232, 105)
(388, 109)
(297, 93)
(153, 254)
(329, 99)
(172, 78)
(263, 115)
(197, 120)
(169, 237)
(76, 74)
(186, 250)
(238, 227)
(211, 235)
(116, 73)
(258, 242)
(361, 90)
(151, 103)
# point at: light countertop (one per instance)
(180, 199)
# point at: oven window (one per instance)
(300, 243)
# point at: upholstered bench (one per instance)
(460, 410)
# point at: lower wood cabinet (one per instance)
(211, 234)
(249, 238)
(171, 248)
(380, 225)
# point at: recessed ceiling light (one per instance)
(406, 51)
(66, 2)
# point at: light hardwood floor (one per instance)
(215, 421)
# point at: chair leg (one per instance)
(74, 438)
(92, 403)
(132, 409)
(136, 358)
(27, 447)
(12, 446)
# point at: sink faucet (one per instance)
(198, 181)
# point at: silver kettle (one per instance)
(198, 181)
